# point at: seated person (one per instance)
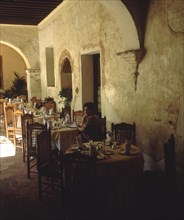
(90, 128)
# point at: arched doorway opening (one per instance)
(13, 65)
(66, 80)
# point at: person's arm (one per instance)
(83, 123)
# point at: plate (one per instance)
(95, 143)
(132, 151)
(108, 152)
(73, 126)
(100, 157)
(74, 148)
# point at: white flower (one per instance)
(62, 100)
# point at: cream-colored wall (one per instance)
(12, 62)
(95, 29)
(81, 27)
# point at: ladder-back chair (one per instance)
(79, 181)
(124, 131)
(49, 168)
(78, 116)
(25, 118)
(9, 122)
(18, 128)
(32, 131)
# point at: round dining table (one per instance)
(117, 173)
(63, 138)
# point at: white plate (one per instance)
(132, 151)
(100, 156)
(75, 148)
(73, 126)
(108, 152)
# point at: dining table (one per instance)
(63, 137)
(116, 170)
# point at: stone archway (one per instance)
(65, 74)
(32, 75)
(65, 69)
(13, 61)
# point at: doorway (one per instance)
(91, 80)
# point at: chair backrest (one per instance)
(79, 171)
(25, 118)
(8, 115)
(78, 116)
(170, 163)
(36, 100)
(23, 97)
(49, 104)
(123, 131)
(44, 148)
(17, 122)
(32, 131)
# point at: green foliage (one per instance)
(19, 87)
(67, 93)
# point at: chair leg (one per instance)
(28, 167)
(40, 187)
(23, 151)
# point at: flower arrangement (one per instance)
(66, 93)
(65, 96)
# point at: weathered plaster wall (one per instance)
(160, 93)
(157, 104)
(94, 30)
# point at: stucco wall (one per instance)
(160, 94)
(157, 105)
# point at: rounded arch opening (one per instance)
(18, 51)
(13, 67)
(65, 70)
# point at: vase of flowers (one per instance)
(65, 96)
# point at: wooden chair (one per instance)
(49, 104)
(123, 131)
(79, 181)
(32, 131)
(2, 111)
(156, 190)
(9, 122)
(78, 116)
(18, 128)
(49, 169)
(170, 164)
(23, 97)
(36, 100)
(25, 118)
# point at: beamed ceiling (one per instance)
(26, 12)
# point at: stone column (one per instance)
(33, 83)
